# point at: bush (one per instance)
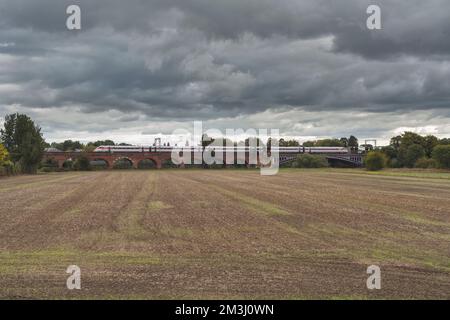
(68, 165)
(425, 163)
(49, 165)
(169, 164)
(375, 161)
(310, 161)
(441, 154)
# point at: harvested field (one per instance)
(301, 234)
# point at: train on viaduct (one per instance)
(159, 155)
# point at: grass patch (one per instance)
(253, 203)
(158, 205)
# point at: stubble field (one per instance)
(302, 234)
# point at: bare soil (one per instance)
(166, 234)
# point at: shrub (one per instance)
(310, 161)
(6, 166)
(9, 168)
(169, 164)
(4, 155)
(425, 163)
(68, 165)
(49, 165)
(441, 154)
(375, 161)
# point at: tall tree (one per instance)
(353, 142)
(395, 142)
(344, 141)
(409, 138)
(408, 155)
(429, 143)
(23, 140)
(441, 154)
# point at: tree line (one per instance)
(22, 148)
(411, 150)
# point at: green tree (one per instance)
(425, 163)
(324, 143)
(329, 143)
(375, 161)
(408, 155)
(5, 164)
(68, 145)
(288, 143)
(353, 142)
(24, 142)
(99, 143)
(344, 141)
(408, 138)
(429, 143)
(310, 161)
(89, 148)
(441, 154)
(389, 151)
(4, 155)
(82, 163)
(395, 142)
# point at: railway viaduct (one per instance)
(158, 158)
(111, 158)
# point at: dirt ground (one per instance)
(166, 234)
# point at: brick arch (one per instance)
(133, 163)
(144, 159)
(111, 158)
(108, 164)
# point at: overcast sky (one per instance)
(310, 68)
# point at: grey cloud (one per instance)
(174, 60)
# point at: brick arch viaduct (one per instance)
(158, 158)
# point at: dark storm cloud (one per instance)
(412, 27)
(203, 59)
(409, 26)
